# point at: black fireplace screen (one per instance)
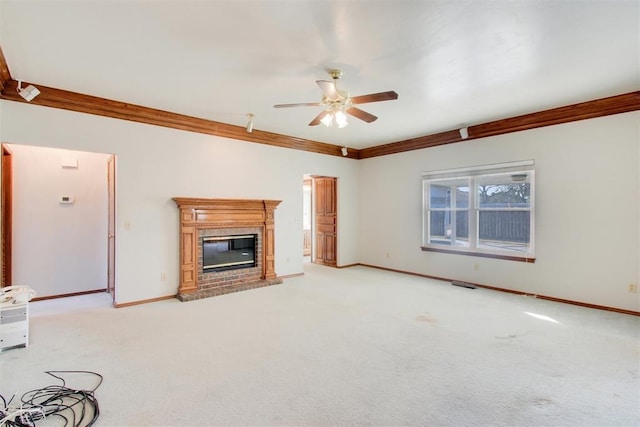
(228, 252)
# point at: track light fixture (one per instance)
(250, 123)
(29, 92)
(464, 133)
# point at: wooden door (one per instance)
(111, 237)
(326, 213)
(7, 208)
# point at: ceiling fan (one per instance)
(338, 103)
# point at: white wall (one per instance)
(59, 248)
(587, 200)
(155, 164)
(587, 211)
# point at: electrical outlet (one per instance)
(163, 277)
(476, 267)
(388, 255)
(633, 288)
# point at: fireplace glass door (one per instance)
(228, 252)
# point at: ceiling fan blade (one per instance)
(328, 89)
(318, 119)
(374, 97)
(304, 104)
(361, 114)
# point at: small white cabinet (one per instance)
(14, 324)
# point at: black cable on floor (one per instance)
(77, 408)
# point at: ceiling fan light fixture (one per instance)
(338, 117)
(338, 103)
(327, 120)
(341, 119)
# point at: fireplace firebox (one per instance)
(228, 252)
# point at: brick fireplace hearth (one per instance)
(200, 218)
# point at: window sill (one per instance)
(479, 254)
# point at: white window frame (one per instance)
(473, 175)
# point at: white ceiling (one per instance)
(453, 63)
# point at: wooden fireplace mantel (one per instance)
(196, 214)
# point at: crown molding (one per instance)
(66, 100)
(570, 113)
(72, 101)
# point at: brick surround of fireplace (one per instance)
(201, 218)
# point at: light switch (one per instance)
(66, 200)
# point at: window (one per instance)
(482, 211)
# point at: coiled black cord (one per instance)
(78, 408)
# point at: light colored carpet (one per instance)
(347, 347)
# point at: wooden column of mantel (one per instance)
(196, 213)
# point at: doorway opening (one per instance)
(321, 209)
(7, 217)
(306, 218)
(61, 212)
